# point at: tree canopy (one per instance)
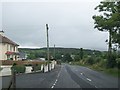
(109, 20)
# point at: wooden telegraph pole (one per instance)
(48, 56)
(54, 51)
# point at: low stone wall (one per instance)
(7, 68)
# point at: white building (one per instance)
(8, 48)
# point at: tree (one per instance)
(108, 21)
(67, 57)
(81, 53)
(77, 58)
(116, 18)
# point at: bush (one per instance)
(98, 59)
(18, 68)
(118, 63)
(36, 67)
(77, 58)
(90, 60)
(111, 61)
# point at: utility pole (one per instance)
(54, 51)
(48, 58)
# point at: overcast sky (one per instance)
(70, 24)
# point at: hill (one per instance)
(42, 52)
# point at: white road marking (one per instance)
(81, 73)
(56, 79)
(89, 79)
(96, 87)
(54, 83)
(52, 87)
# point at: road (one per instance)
(65, 76)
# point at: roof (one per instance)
(4, 39)
(12, 53)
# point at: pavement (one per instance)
(64, 76)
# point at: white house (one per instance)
(8, 48)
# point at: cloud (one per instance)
(70, 24)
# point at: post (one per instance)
(14, 80)
(47, 46)
(54, 51)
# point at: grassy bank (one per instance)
(111, 71)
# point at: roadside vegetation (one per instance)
(99, 64)
(18, 68)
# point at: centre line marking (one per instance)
(56, 80)
(81, 73)
(52, 87)
(96, 87)
(89, 79)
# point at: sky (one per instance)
(70, 23)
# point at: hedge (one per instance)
(19, 62)
(36, 67)
(18, 68)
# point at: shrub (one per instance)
(111, 60)
(98, 59)
(36, 67)
(90, 60)
(18, 68)
(118, 63)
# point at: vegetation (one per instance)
(36, 67)
(19, 62)
(42, 52)
(99, 64)
(67, 58)
(109, 21)
(18, 68)
(81, 53)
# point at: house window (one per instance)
(7, 47)
(14, 48)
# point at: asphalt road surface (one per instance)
(64, 76)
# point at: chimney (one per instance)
(2, 33)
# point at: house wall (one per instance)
(4, 50)
(4, 47)
(0, 51)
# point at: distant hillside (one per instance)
(60, 50)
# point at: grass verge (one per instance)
(111, 71)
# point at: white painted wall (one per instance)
(0, 51)
(28, 69)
